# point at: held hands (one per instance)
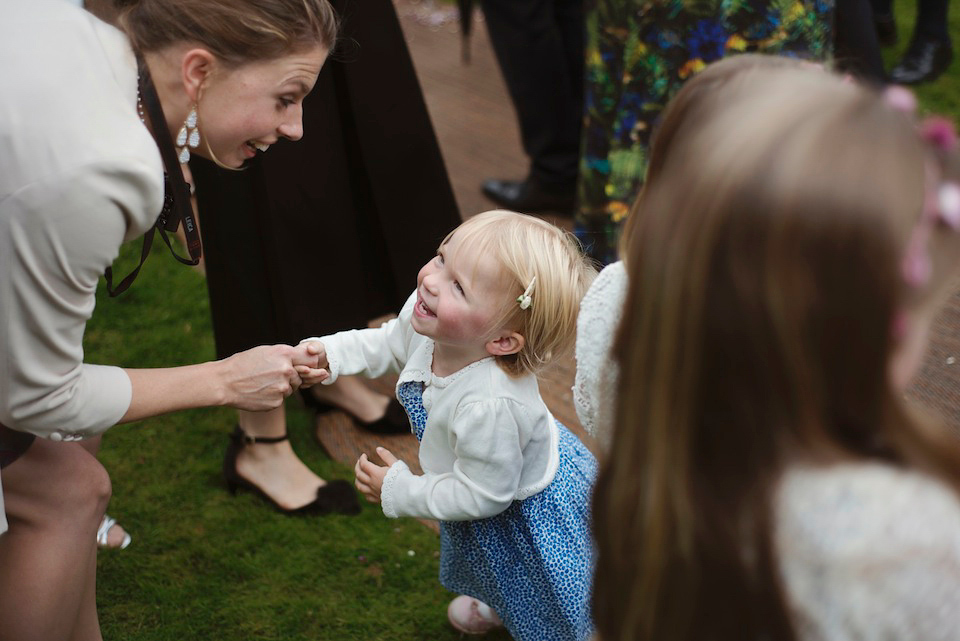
(260, 378)
(370, 475)
(315, 372)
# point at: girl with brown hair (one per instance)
(767, 479)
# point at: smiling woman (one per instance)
(241, 110)
(79, 177)
(253, 74)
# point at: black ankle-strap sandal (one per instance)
(337, 496)
(242, 438)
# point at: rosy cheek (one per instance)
(449, 319)
(463, 325)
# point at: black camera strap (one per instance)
(176, 193)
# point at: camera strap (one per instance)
(176, 193)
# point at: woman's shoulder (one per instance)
(73, 109)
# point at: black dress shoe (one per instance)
(531, 195)
(393, 421)
(924, 61)
(886, 29)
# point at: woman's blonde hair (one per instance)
(236, 31)
(526, 247)
(765, 274)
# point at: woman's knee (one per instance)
(89, 484)
(59, 479)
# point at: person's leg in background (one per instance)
(273, 466)
(856, 40)
(110, 534)
(930, 51)
(539, 45)
(884, 22)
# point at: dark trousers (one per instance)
(539, 45)
(856, 48)
(931, 17)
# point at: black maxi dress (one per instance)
(329, 232)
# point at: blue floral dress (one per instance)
(638, 54)
(533, 562)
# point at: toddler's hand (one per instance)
(317, 374)
(370, 475)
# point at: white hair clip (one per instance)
(524, 299)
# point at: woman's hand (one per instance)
(370, 475)
(256, 380)
(312, 375)
(260, 378)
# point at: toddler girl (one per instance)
(509, 484)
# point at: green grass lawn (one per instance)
(205, 565)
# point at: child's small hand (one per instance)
(313, 375)
(370, 475)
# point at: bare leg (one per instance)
(274, 467)
(55, 496)
(116, 533)
(350, 394)
(88, 621)
(91, 445)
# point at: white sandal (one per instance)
(104, 531)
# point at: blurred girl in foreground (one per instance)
(766, 479)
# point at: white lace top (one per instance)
(870, 552)
(595, 382)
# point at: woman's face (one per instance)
(245, 110)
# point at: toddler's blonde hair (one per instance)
(526, 247)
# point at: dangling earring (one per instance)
(189, 136)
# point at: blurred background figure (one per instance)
(638, 54)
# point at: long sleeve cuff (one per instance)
(387, 500)
(94, 403)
